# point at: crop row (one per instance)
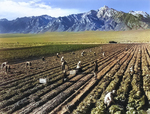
(92, 98)
(131, 81)
(56, 91)
(22, 94)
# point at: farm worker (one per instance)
(43, 58)
(7, 68)
(63, 65)
(82, 54)
(64, 76)
(79, 68)
(103, 54)
(62, 59)
(95, 69)
(3, 64)
(109, 98)
(57, 55)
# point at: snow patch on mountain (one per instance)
(106, 12)
(137, 13)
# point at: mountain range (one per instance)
(103, 19)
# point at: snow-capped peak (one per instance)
(136, 13)
(47, 17)
(106, 12)
(104, 8)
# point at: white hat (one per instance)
(114, 91)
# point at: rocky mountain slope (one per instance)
(104, 19)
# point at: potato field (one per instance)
(124, 68)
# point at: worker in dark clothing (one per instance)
(63, 64)
(43, 59)
(95, 69)
(64, 76)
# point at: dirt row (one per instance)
(22, 93)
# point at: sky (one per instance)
(12, 9)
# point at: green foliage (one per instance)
(130, 20)
(38, 51)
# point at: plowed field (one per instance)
(126, 71)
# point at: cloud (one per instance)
(12, 9)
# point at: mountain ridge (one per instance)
(103, 19)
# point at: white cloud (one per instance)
(11, 9)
